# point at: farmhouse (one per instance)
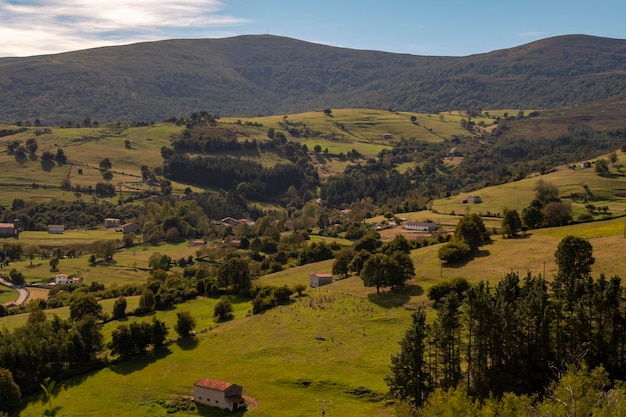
(56, 229)
(61, 279)
(128, 228)
(8, 230)
(110, 223)
(421, 226)
(213, 393)
(318, 279)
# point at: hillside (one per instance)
(251, 75)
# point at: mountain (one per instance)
(250, 75)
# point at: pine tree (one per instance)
(410, 380)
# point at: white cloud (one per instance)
(51, 26)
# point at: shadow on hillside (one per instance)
(137, 363)
(396, 297)
(203, 410)
(519, 237)
(187, 343)
(463, 262)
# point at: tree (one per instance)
(31, 146)
(453, 251)
(107, 176)
(54, 263)
(10, 393)
(545, 191)
(16, 277)
(382, 271)
(185, 323)
(235, 273)
(602, 166)
(511, 223)
(557, 213)
(31, 252)
(104, 248)
(119, 308)
(328, 112)
(341, 266)
(159, 332)
(60, 157)
(223, 309)
(574, 257)
(532, 216)
(410, 380)
(472, 231)
(83, 305)
(613, 158)
(105, 164)
(147, 300)
(398, 244)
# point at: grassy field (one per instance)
(332, 344)
(603, 191)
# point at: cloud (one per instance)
(49, 26)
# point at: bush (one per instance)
(223, 310)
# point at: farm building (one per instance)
(56, 229)
(8, 230)
(471, 199)
(220, 394)
(421, 226)
(319, 279)
(128, 228)
(110, 223)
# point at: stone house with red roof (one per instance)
(220, 394)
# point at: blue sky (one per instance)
(442, 28)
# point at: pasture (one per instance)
(334, 343)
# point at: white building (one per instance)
(220, 394)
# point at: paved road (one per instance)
(22, 292)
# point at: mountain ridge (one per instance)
(266, 74)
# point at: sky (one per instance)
(417, 27)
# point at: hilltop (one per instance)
(263, 74)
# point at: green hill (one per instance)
(251, 75)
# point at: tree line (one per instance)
(509, 337)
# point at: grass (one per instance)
(334, 343)
(7, 294)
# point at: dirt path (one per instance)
(251, 402)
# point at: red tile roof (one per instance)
(213, 384)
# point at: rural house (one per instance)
(56, 229)
(8, 230)
(213, 393)
(128, 228)
(61, 279)
(319, 279)
(110, 223)
(421, 226)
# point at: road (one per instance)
(22, 292)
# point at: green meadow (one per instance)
(334, 343)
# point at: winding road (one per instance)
(22, 292)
